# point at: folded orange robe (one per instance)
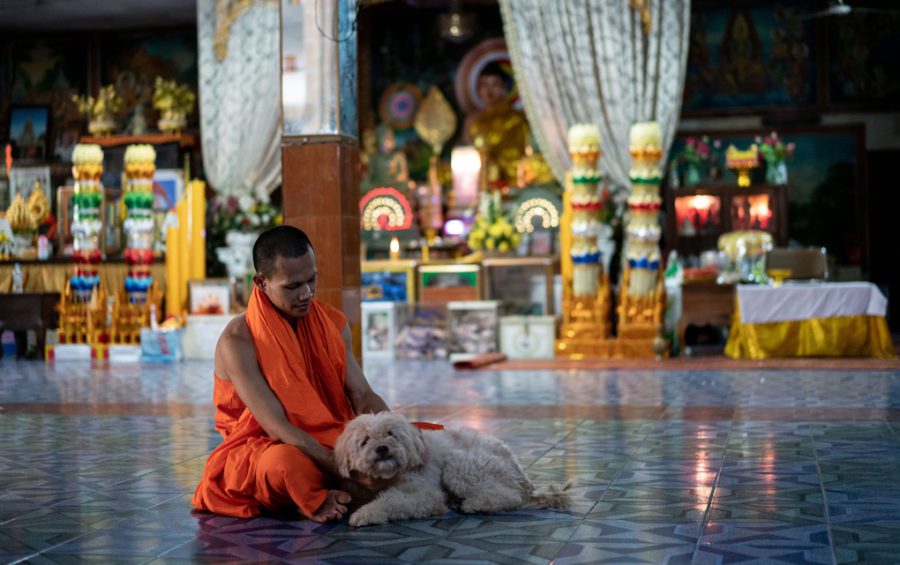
(305, 368)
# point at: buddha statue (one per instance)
(499, 131)
(385, 164)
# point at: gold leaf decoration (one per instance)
(17, 215)
(435, 121)
(38, 207)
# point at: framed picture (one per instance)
(64, 214)
(472, 328)
(379, 329)
(168, 188)
(29, 132)
(22, 179)
(389, 281)
(209, 296)
(439, 284)
(750, 57)
(4, 196)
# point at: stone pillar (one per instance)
(321, 197)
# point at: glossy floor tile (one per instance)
(98, 464)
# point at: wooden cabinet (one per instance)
(697, 216)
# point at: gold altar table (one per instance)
(52, 275)
(819, 320)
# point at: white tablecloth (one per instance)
(789, 302)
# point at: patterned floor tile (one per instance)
(663, 505)
(764, 540)
(624, 541)
(99, 464)
(866, 543)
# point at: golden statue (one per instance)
(533, 169)
(500, 132)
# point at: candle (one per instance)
(395, 249)
(173, 298)
(196, 194)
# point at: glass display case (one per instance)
(697, 216)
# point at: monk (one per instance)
(286, 383)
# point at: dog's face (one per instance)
(380, 446)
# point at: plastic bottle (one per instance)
(18, 280)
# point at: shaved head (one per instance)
(281, 241)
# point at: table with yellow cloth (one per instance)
(809, 320)
(51, 276)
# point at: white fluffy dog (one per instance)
(427, 471)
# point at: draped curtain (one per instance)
(240, 113)
(589, 61)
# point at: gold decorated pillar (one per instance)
(585, 325)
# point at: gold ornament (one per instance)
(38, 207)
(435, 121)
(17, 215)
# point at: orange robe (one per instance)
(305, 368)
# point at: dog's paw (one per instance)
(362, 518)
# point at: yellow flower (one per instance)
(496, 230)
(489, 244)
(503, 246)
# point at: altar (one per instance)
(810, 320)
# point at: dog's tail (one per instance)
(551, 496)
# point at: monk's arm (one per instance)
(236, 361)
(361, 395)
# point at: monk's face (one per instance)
(291, 284)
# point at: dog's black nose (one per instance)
(381, 450)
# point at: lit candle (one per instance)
(465, 165)
(395, 249)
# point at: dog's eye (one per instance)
(391, 434)
(364, 442)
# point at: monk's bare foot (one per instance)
(334, 507)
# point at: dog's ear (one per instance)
(342, 449)
(416, 444)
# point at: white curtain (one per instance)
(240, 114)
(589, 61)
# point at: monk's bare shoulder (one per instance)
(234, 344)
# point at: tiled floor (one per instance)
(677, 467)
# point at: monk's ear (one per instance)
(259, 281)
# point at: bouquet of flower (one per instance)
(773, 150)
(171, 98)
(107, 104)
(696, 151)
(493, 231)
(245, 214)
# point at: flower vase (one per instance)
(172, 122)
(101, 125)
(776, 173)
(237, 256)
(692, 175)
